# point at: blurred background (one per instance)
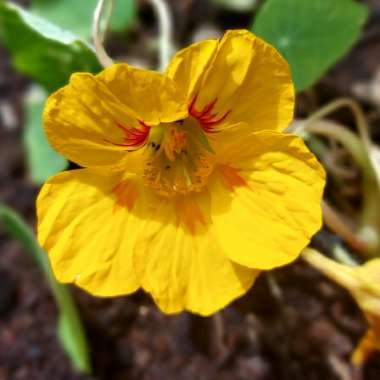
(294, 324)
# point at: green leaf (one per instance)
(42, 160)
(45, 52)
(123, 15)
(70, 330)
(311, 34)
(76, 16)
(72, 338)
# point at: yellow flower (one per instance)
(190, 188)
(363, 282)
(367, 295)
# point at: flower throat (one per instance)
(179, 158)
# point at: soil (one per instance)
(293, 325)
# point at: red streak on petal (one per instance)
(208, 125)
(133, 137)
(231, 178)
(206, 117)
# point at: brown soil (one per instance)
(293, 325)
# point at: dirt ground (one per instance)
(293, 325)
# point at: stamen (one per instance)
(175, 143)
(182, 164)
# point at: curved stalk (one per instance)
(341, 103)
(70, 329)
(341, 274)
(165, 25)
(98, 34)
(360, 151)
(336, 224)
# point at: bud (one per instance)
(363, 282)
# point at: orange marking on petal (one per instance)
(231, 177)
(189, 214)
(126, 194)
(206, 117)
(133, 137)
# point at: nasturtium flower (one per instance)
(363, 282)
(366, 290)
(189, 188)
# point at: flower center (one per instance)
(179, 158)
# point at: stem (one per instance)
(359, 150)
(344, 136)
(165, 24)
(336, 224)
(70, 330)
(219, 334)
(98, 34)
(341, 103)
(342, 256)
(341, 274)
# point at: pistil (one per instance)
(178, 160)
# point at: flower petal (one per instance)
(94, 120)
(266, 205)
(88, 235)
(188, 65)
(185, 269)
(243, 79)
(154, 97)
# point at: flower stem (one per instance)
(360, 149)
(70, 329)
(219, 335)
(165, 24)
(341, 103)
(98, 34)
(341, 274)
(341, 255)
(347, 138)
(336, 224)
